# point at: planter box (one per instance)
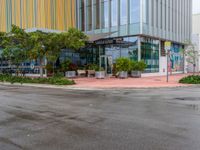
(123, 74)
(136, 74)
(90, 73)
(70, 74)
(100, 74)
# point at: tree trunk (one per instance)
(53, 69)
(194, 68)
(17, 71)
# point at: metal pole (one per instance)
(168, 66)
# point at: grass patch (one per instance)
(52, 80)
(192, 79)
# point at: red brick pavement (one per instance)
(145, 82)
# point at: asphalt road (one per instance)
(55, 119)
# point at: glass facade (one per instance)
(82, 15)
(134, 8)
(150, 54)
(97, 14)
(138, 25)
(170, 20)
(89, 15)
(114, 13)
(104, 14)
(127, 47)
(123, 12)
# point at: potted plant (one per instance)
(91, 69)
(69, 69)
(122, 67)
(71, 73)
(100, 73)
(137, 68)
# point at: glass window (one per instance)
(114, 12)
(133, 48)
(89, 15)
(97, 14)
(150, 54)
(128, 47)
(123, 12)
(145, 11)
(105, 14)
(134, 11)
(82, 15)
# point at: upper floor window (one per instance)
(89, 15)
(114, 13)
(105, 14)
(134, 8)
(123, 12)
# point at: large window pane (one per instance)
(123, 12)
(134, 11)
(150, 54)
(105, 14)
(89, 15)
(97, 14)
(82, 15)
(114, 12)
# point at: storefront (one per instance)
(150, 50)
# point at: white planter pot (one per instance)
(123, 74)
(136, 74)
(100, 74)
(70, 74)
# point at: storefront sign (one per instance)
(109, 41)
(167, 45)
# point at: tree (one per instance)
(74, 39)
(53, 48)
(20, 46)
(14, 46)
(38, 50)
(2, 35)
(191, 54)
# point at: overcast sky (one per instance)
(196, 6)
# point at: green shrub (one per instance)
(52, 80)
(65, 65)
(123, 64)
(92, 67)
(193, 79)
(137, 66)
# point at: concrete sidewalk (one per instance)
(145, 82)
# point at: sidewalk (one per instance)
(145, 82)
(114, 83)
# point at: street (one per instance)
(130, 119)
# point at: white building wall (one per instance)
(196, 24)
(196, 42)
(196, 38)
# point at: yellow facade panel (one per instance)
(51, 14)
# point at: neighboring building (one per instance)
(51, 14)
(195, 24)
(196, 39)
(136, 29)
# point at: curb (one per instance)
(69, 87)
